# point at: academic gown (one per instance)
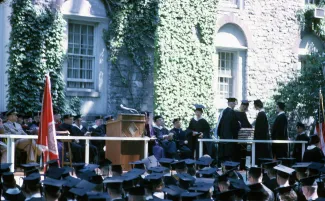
(99, 131)
(298, 190)
(262, 188)
(280, 132)
(261, 132)
(200, 126)
(242, 118)
(180, 137)
(157, 150)
(228, 128)
(297, 148)
(271, 184)
(313, 154)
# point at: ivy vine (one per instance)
(183, 58)
(130, 39)
(34, 50)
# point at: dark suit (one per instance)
(271, 184)
(228, 128)
(180, 137)
(297, 148)
(280, 132)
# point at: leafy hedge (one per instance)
(35, 48)
(183, 58)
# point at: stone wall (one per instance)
(271, 30)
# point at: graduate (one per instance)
(199, 128)
(271, 173)
(261, 132)
(181, 140)
(255, 178)
(241, 114)
(280, 132)
(227, 128)
(313, 153)
(301, 136)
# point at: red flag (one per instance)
(46, 134)
(320, 123)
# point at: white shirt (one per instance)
(280, 113)
(37, 195)
(313, 197)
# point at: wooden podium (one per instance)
(124, 152)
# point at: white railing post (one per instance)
(87, 151)
(200, 148)
(9, 151)
(12, 154)
(303, 146)
(253, 154)
(145, 149)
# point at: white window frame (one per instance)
(237, 4)
(82, 21)
(310, 2)
(231, 76)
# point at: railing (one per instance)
(11, 144)
(253, 142)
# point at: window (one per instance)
(311, 2)
(81, 59)
(233, 3)
(225, 67)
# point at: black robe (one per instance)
(228, 128)
(313, 155)
(259, 187)
(180, 137)
(261, 132)
(242, 118)
(280, 132)
(297, 148)
(271, 184)
(203, 126)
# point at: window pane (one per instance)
(225, 71)
(80, 56)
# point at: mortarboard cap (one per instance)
(179, 164)
(309, 181)
(199, 107)
(135, 171)
(245, 102)
(160, 169)
(67, 171)
(29, 172)
(204, 161)
(113, 182)
(99, 117)
(5, 167)
(176, 120)
(201, 187)
(223, 177)
(29, 166)
(78, 116)
(301, 167)
(105, 163)
(97, 196)
(270, 165)
(83, 184)
(173, 191)
(189, 196)
(189, 162)
(53, 163)
(287, 161)
(151, 161)
(231, 100)
(208, 172)
(54, 172)
(300, 125)
(185, 180)
(89, 167)
(315, 166)
(78, 166)
(238, 184)
(96, 179)
(154, 179)
(108, 117)
(205, 181)
(258, 102)
(137, 191)
(79, 192)
(166, 162)
(8, 178)
(157, 117)
(170, 180)
(264, 160)
(71, 181)
(32, 179)
(284, 171)
(11, 111)
(138, 164)
(67, 116)
(53, 182)
(230, 165)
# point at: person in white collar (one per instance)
(199, 128)
(227, 128)
(280, 132)
(261, 132)
(313, 152)
(283, 175)
(13, 128)
(309, 188)
(32, 186)
(301, 136)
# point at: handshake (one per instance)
(199, 134)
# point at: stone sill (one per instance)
(92, 93)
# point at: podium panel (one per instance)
(124, 152)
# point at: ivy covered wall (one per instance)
(35, 48)
(183, 58)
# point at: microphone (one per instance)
(129, 109)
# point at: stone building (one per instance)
(257, 44)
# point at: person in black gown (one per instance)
(313, 152)
(227, 128)
(241, 114)
(301, 136)
(161, 134)
(261, 132)
(199, 128)
(181, 140)
(280, 132)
